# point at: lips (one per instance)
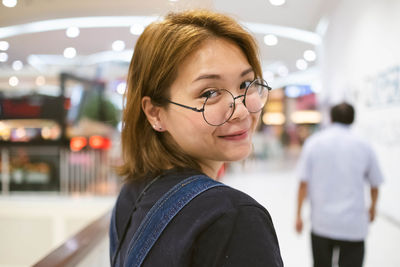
(239, 135)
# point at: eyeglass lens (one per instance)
(219, 107)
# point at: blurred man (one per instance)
(333, 168)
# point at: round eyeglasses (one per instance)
(219, 104)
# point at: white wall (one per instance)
(360, 63)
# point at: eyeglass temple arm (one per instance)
(265, 85)
(184, 106)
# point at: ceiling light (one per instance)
(69, 52)
(277, 2)
(301, 64)
(13, 81)
(17, 65)
(270, 39)
(121, 87)
(40, 81)
(173, 1)
(72, 32)
(4, 45)
(137, 29)
(127, 21)
(309, 55)
(118, 45)
(10, 3)
(3, 57)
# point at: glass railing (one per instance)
(89, 247)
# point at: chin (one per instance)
(239, 154)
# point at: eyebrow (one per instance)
(216, 76)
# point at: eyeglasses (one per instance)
(219, 104)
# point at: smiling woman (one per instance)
(193, 99)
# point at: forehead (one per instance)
(215, 56)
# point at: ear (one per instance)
(152, 113)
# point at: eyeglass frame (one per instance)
(264, 84)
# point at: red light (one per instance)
(99, 142)
(67, 103)
(77, 143)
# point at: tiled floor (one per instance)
(274, 185)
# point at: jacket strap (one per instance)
(162, 213)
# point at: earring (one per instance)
(155, 127)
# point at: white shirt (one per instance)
(336, 164)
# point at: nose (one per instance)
(240, 111)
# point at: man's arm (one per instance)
(301, 195)
(374, 198)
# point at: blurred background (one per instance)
(63, 67)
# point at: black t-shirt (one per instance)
(220, 227)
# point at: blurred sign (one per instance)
(384, 88)
(32, 107)
(294, 91)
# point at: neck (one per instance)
(211, 168)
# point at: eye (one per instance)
(210, 93)
(245, 84)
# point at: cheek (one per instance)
(254, 118)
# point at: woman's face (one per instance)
(218, 63)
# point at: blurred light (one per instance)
(306, 116)
(17, 65)
(46, 133)
(99, 142)
(4, 45)
(121, 87)
(274, 118)
(270, 40)
(301, 64)
(118, 45)
(173, 1)
(77, 143)
(309, 55)
(268, 76)
(277, 2)
(137, 29)
(69, 52)
(283, 71)
(40, 81)
(5, 131)
(3, 57)
(13, 81)
(20, 133)
(72, 32)
(10, 3)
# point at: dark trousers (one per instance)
(351, 254)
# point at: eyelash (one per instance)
(209, 91)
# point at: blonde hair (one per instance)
(158, 53)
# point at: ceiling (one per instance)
(295, 20)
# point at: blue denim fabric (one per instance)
(161, 214)
(113, 237)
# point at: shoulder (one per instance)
(228, 205)
(240, 234)
(230, 198)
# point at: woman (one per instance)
(193, 100)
